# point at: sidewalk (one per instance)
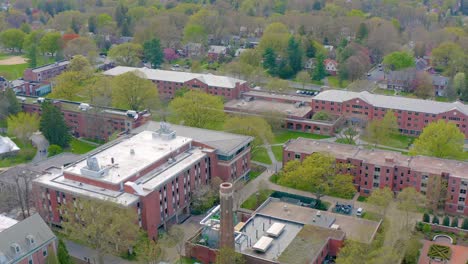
(81, 252)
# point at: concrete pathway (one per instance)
(41, 144)
(84, 253)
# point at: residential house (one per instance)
(216, 53)
(29, 241)
(192, 49)
(402, 80)
(440, 84)
(331, 66)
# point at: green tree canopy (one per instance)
(439, 139)
(229, 256)
(53, 125)
(127, 54)
(197, 109)
(103, 225)
(133, 91)
(9, 104)
(153, 52)
(450, 57)
(317, 174)
(381, 131)
(13, 38)
(319, 71)
(399, 60)
(51, 42)
(62, 253)
(381, 198)
(460, 84)
(253, 126)
(22, 125)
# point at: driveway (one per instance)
(41, 144)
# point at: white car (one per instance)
(359, 212)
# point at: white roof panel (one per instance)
(276, 229)
(263, 244)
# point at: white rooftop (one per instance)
(177, 76)
(7, 145)
(6, 222)
(147, 148)
(50, 66)
(393, 102)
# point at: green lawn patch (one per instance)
(442, 99)
(278, 151)
(285, 135)
(383, 91)
(255, 171)
(80, 147)
(260, 154)
(371, 216)
(185, 260)
(333, 81)
(398, 141)
(439, 252)
(26, 154)
(362, 199)
(345, 141)
(13, 72)
(256, 199)
(316, 82)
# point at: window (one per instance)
(44, 252)
(297, 156)
(30, 260)
(461, 199)
(463, 191)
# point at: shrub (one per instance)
(321, 115)
(454, 222)
(54, 150)
(426, 218)
(465, 224)
(435, 220)
(446, 221)
(426, 229)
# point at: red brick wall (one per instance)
(203, 254)
(38, 257)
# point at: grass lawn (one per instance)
(255, 171)
(371, 216)
(399, 141)
(384, 91)
(442, 99)
(278, 151)
(261, 155)
(465, 156)
(79, 147)
(26, 153)
(285, 135)
(362, 199)
(13, 72)
(333, 81)
(254, 201)
(317, 82)
(185, 260)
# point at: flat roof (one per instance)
(430, 165)
(255, 228)
(6, 222)
(357, 229)
(296, 98)
(263, 106)
(177, 76)
(308, 243)
(393, 102)
(7, 145)
(147, 147)
(223, 142)
(50, 66)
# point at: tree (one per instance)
(362, 32)
(153, 52)
(126, 54)
(461, 85)
(427, 229)
(436, 193)
(9, 104)
(68, 85)
(81, 46)
(133, 91)
(51, 258)
(32, 56)
(105, 226)
(381, 131)
(51, 42)
(381, 198)
(275, 36)
(148, 251)
(342, 186)
(277, 85)
(202, 199)
(22, 125)
(439, 139)
(229, 256)
(315, 174)
(454, 222)
(426, 218)
(53, 125)
(194, 33)
(319, 71)
(446, 221)
(62, 253)
(294, 55)
(435, 220)
(303, 77)
(321, 116)
(409, 200)
(311, 49)
(423, 85)
(352, 252)
(197, 109)
(253, 126)
(449, 56)
(399, 60)
(12, 38)
(92, 24)
(175, 237)
(269, 61)
(465, 224)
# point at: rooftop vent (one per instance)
(40, 100)
(165, 132)
(84, 107)
(132, 151)
(93, 169)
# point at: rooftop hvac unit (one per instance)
(84, 107)
(131, 113)
(40, 100)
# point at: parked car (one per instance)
(359, 212)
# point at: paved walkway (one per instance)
(82, 252)
(41, 144)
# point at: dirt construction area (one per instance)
(13, 60)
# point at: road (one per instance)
(41, 144)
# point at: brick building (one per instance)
(412, 114)
(153, 171)
(31, 88)
(90, 121)
(168, 82)
(294, 110)
(378, 169)
(27, 242)
(45, 72)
